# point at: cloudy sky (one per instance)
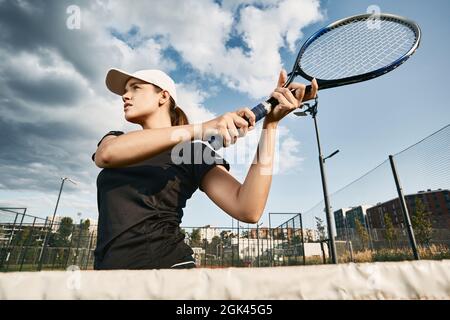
(223, 55)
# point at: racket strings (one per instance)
(356, 48)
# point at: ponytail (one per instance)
(177, 115)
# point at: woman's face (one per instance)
(140, 100)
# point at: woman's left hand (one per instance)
(288, 101)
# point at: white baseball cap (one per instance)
(116, 80)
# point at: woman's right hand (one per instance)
(229, 126)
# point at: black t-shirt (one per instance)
(155, 190)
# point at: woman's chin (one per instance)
(130, 118)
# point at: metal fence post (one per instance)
(303, 239)
(5, 256)
(412, 239)
(271, 242)
(12, 240)
(91, 236)
(70, 246)
(78, 242)
(30, 238)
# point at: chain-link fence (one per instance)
(373, 214)
(370, 220)
(240, 246)
(22, 239)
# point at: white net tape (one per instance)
(390, 280)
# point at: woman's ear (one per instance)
(165, 96)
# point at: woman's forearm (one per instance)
(253, 193)
(136, 146)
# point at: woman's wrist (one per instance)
(270, 124)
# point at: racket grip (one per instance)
(260, 111)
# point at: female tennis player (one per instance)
(143, 187)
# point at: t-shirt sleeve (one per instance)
(111, 133)
(204, 159)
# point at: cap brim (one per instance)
(116, 80)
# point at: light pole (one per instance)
(312, 110)
(44, 245)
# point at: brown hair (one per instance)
(177, 115)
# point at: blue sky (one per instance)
(366, 121)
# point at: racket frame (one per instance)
(325, 84)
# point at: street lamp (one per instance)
(44, 245)
(312, 110)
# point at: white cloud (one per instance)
(196, 30)
(199, 31)
(241, 154)
(192, 103)
(288, 158)
(147, 55)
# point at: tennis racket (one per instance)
(350, 50)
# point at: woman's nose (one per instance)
(125, 97)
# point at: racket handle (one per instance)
(260, 111)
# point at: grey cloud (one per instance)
(34, 155)
(49, 92)
(44, 26)
(37, 146)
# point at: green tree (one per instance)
(309, 235)
(362, 233)
(186, 234)
(421, 223)
(389, 232)
(215, 241)
(60, 238)
(320, 228)
(224, 235)
(21, 237)
(296, 239)
(65, 228)
(85, 233)
(195, 238)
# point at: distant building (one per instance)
(437, 202)
(207, 232)
(264, 233)
(56, 222)
(345, 220)
(9, 230)
(357, 213)
(339, 220)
